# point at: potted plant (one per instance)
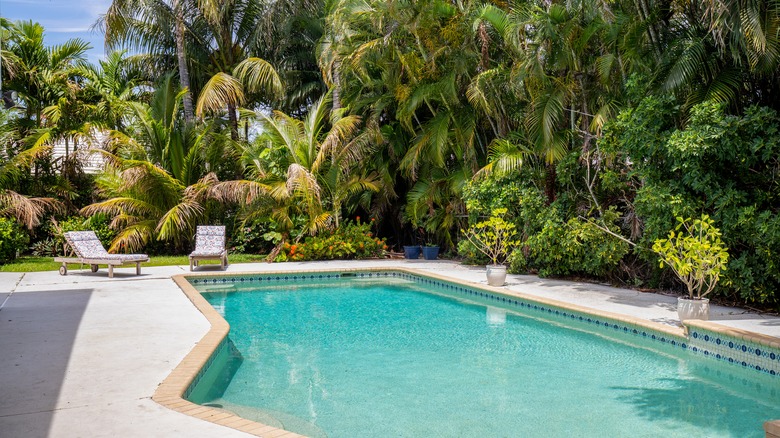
(696, 254)
(430, 251)
(412, 252)
(494, 238)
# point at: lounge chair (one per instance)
(209, 245)
(89, 251)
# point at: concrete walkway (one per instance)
(81, 355)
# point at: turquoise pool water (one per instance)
(354, 358)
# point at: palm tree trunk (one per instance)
(644, 15)
(336, 94)
(181, 55)
(233, 120)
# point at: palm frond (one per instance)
(221, 90)
(28, 211)
(319, 223)
(179, 220)
(258, 75)
(121, 205)
(240, 191)
(337, 139)
(301, 181)
(505, 156)
(133, 237)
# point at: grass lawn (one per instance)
(37, 264)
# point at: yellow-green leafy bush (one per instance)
(695, 252)
(494, 238)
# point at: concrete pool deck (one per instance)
(82, 355)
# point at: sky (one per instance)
(62, 20)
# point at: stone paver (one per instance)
(81, 355)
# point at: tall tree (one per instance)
(286, 37)
(111, 86)
(414, 67)
(567, 67)
(145, 26)
(156, 184)
(41, 74)
(311, 169)
(723, 51)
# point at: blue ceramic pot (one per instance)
(412, 252)
(430, 252)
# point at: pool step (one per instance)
(276, 419)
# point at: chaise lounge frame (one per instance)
(89, 251)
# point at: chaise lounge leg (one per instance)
(137, 268)
(190, 264)
(110, 271)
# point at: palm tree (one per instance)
(26, 210)
(211, 38)
(227, 30)
(724, 51)
(145, 26)
(47, 105)
(251, 75)
(157, 183)
(111, 86)
(566, 69)
(41, 74)
(419, 68)
(287, 37)
(310, 168)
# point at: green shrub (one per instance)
(470, 254)
(574, 247)
(252, 238)
(13, 239)
(48, 247)
(719, 164)
(518, 264)
(525, 204)
(484, 195)
(352, 240)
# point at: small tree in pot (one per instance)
(697, 255)
(494, 237)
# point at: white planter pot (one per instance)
(693, 309)
(496, 275)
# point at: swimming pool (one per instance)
(391, 354)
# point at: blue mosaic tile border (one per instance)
(550, 311)
(264, 279)
(728, 349)
(735, 351)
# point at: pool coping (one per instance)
(170, 393)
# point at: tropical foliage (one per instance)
(696, 254)
(348, 241)
(12, 239)
(593, 124)
(305, 172)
